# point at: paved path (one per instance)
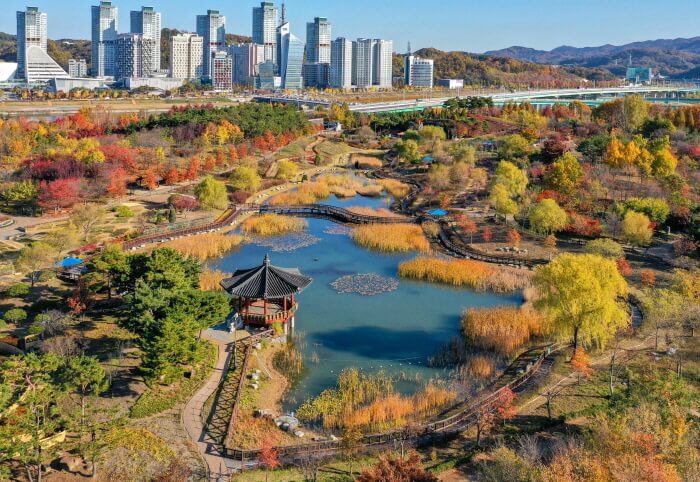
(192, 415)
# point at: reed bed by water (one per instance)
(379, 212)
(396, 188)
(203, 246)
(481, 367)
(366, 162)
(339, 180)
(462, 272)
(371, 190)
(272, 225)
(369, 402)
(308, 193)
(391, 238)
(501, 330)
(209, 280)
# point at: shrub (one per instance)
(636, 228)
(608, 248)
(656, 209)
(461, 272)
(36, 329)
(17, 290)
(272, 225)
(3, 324)
(123, 212)
(391, 238)
(46, 275)
(431, 229)
(15, 315)
(501, 330)
(245, 178)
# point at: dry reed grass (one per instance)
(501, 330)
(481, 367)
(272, 225)
(366, 162)
(392, 411)
(209, 280)
(391, 238)
(203, 246)
(460, 272)
(396, 188)
(371, 190)
(431, 229)
(307, 193)
(252, 432)
(379, 212)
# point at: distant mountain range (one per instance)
(676, 58)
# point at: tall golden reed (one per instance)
(391, 238)
(203, 246)
(272, 225)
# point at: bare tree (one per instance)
(309, 465)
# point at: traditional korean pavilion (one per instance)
(266, 294)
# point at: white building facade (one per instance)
(105, 25)
(32, 31)
(147, 22)
(77, 68)
(382, 63)
(341, 70)
(419, 72)
(212, 28)
(134, 56)
(187, 56)
(265, 30)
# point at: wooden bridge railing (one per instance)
(467, 252)
(464, 418)
(333, 213)
(248, 343)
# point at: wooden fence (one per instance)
(465, 416)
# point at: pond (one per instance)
(394, 331)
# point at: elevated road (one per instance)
(672, 94)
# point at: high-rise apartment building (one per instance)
(246, 60)
(318, 41)
(186, 56)
(32, 31)
(316, 75)
(290, 53)
(363, 63)
(134, 56)
(382, 63)
(221, 71)
(105, 25)
(265, 29)
(418, 72)
(147, 23)
(77, 68)
(212, 28)
(341, 71)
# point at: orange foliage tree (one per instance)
(192, 171)
(514, 237)
(397, 469)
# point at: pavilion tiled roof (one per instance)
(266, 282)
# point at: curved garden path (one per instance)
(192, 414)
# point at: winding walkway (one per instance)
(192, 415)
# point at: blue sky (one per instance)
(470, 25)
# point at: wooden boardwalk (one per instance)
(323, 211)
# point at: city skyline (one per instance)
(467, 27)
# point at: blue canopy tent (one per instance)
(438, 212)
(70, 262)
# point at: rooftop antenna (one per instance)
(630, 59)
(284, 13)
(409, 48)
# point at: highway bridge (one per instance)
(671, 94)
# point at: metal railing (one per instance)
(324, 211)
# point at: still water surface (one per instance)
(395, 332)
